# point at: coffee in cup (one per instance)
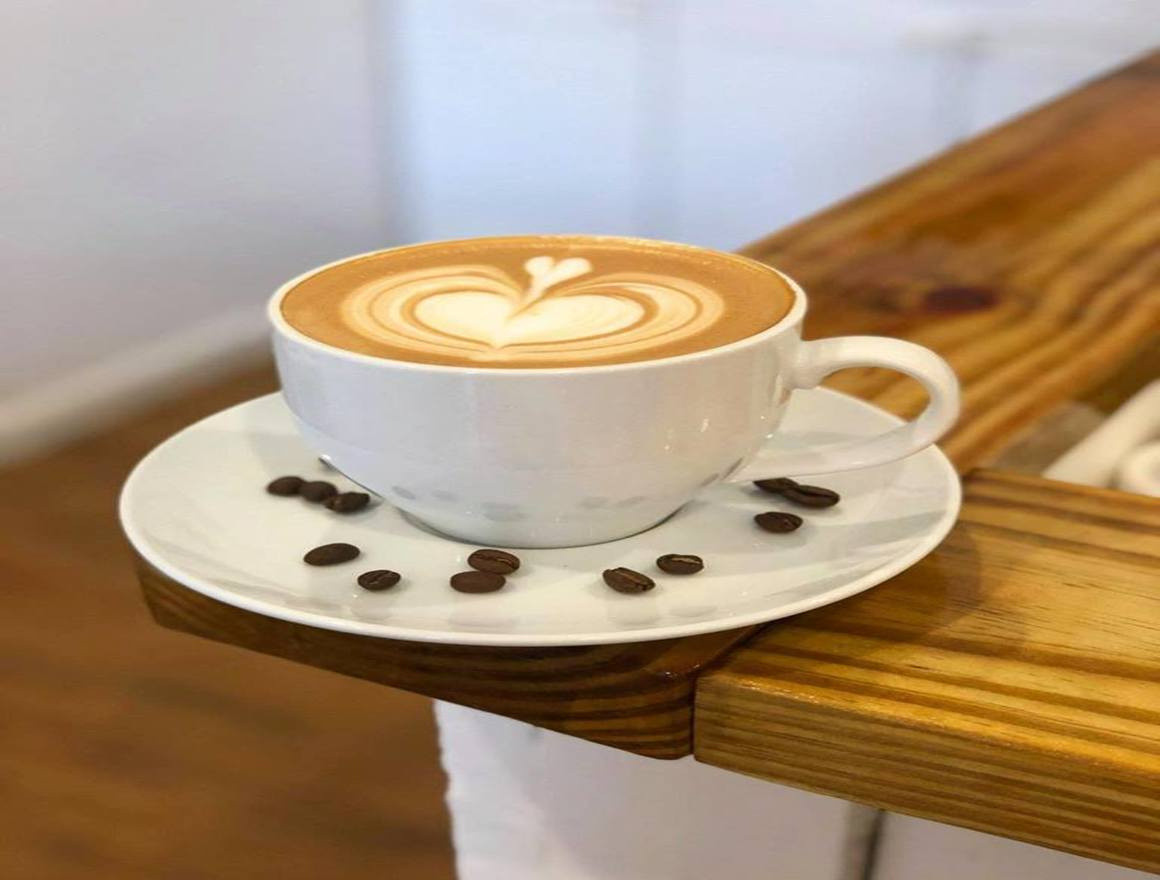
(524, 302)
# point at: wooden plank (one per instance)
(1009, 683)
(1029, 257)
(637, 697)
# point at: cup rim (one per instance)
(791, 318)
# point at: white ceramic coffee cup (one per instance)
(559, 457)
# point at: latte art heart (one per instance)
(535, 301)
(497, 322)
(481, 313)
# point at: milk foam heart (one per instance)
(537, 301)
(496, 321)
(482, 313)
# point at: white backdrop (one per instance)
(711, 121)
(166, 164)
(166, 161)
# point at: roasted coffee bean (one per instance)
(811, 496)
(494, 561)
(331, 554)
(317, 491)
(477, 581)
(625, 580)
(379, 579)
(777, 521)
(680, 563)
(775, 486)
(799, 493)
(347, 502)
(285, 486)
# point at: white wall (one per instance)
(713, 121)
(518, 117)
(167, 164)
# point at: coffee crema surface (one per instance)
(537, 301)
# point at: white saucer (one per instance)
(196, 508)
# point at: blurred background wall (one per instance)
(165, 165)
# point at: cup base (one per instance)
(551, 537)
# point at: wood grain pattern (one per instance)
(637, 697)
(1009, 683)
(1029, 257)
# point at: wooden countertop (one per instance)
(1011, 681)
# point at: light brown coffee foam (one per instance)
(580, 301)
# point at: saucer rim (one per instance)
(140, 543)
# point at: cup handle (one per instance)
(816, 360)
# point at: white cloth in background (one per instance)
(530, 804)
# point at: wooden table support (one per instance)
(1010, 682)
(637, 697)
